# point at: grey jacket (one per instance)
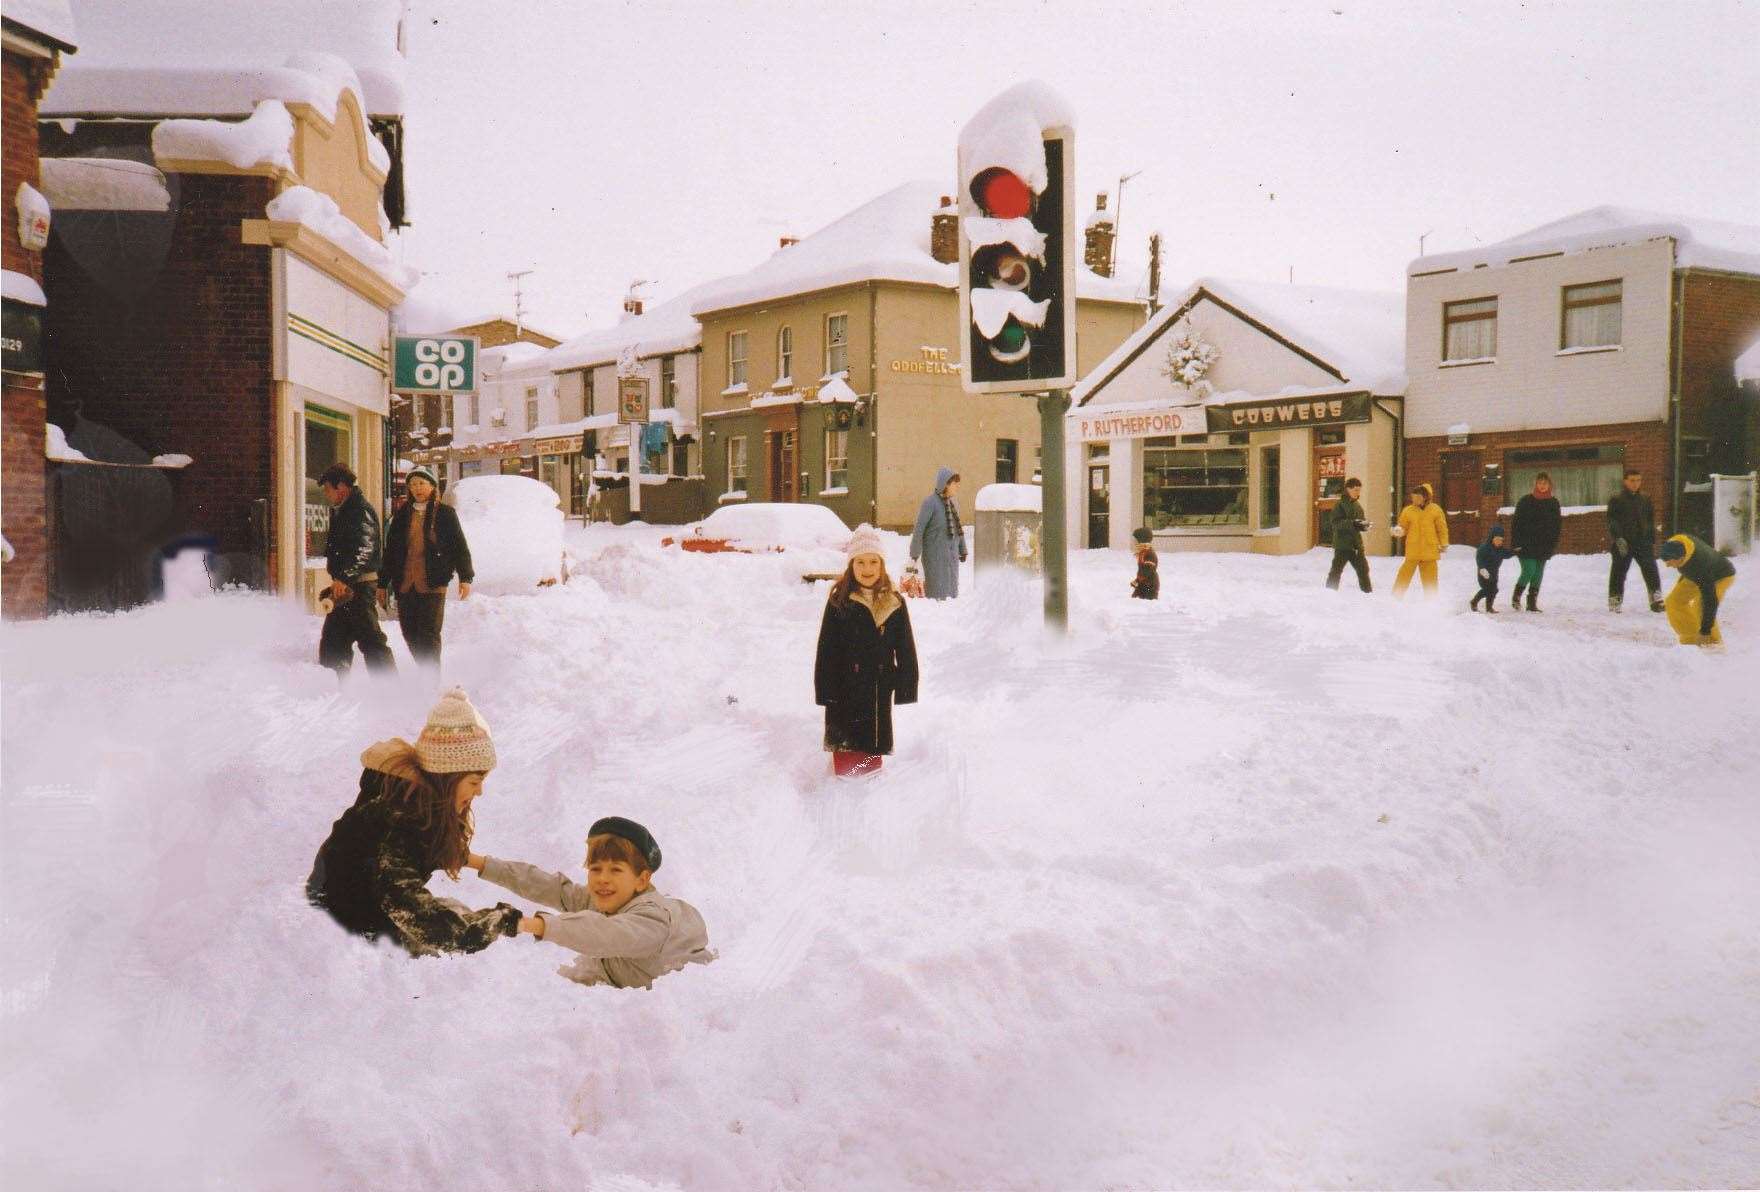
(651, 936)
(933, 541)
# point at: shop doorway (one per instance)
(1329, 478)
(1099, 506)
(783, 481)
(1461, 495)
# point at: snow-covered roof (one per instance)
(50, 19)
(666, 327)
(220, 57)
(264, 138)
(1748, 363)
(103, 184)
(1359, 333)
(318, 211)
(1699, 243)
(886, 239)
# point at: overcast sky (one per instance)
(598, 143)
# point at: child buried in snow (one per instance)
(1490, 561)
(627, 933)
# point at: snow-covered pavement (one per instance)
(1259, 885)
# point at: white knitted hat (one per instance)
(864, 541)
(455, 740)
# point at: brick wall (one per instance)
(24, 587)
(1720, 319)
(184, 366)
(1647, 446)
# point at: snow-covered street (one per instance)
(1259, 885)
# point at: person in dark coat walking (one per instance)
(413, 816)
(1631, 533)
(1147, 585)
(1534, 535)
(938, 539)
(1490, 557)
(866, 660)
(1348, 525)
(424, 547)
(351, 554)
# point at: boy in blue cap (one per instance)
(1490, 558)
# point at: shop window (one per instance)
(1007, 453)
(736, 464)
(681, 459)
(836, 344)
(668, 382)
(476, 408)
(1269, 487)
(837, 459)
(736, 358)
(1591, 316)
(1469, 329)
(785, 354)
(1580, 475)
(328, 441)
(586, 392)
(1195, 488)
(1329, 436)
(531, 407)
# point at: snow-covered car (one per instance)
(812, 535)
(514, 527)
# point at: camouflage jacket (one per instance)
(372, 876)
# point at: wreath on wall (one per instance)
(1189, 360)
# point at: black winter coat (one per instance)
(351, 549)
(1347, 534)
(1533, 532)
(861, 670)
(446, 551)
(372, 874)
(1147, 585)
(1631, 516)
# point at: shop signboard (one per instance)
(632, 399)
(434, 364)
(557, 445)
(1287, 413)
(1146, 422)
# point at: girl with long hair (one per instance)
(867, 659)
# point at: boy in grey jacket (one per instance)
(627, 933)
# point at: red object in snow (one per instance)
(1001, 194)
(715, 546)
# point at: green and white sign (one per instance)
(434, 364)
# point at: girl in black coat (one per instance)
(867, 659)
(1534, 534)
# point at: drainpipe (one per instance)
(1399, 449)
(1678, 285)
(874, 399)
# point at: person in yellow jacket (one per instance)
(1425, 531)
(1705, 580)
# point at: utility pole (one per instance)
(1118, 221)
(1155, 273)
(519, 307)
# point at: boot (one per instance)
(1613, 603)
(1491, 603)
(1474, 602)
(1656, 602)
(1533, 593)
(1515, 598)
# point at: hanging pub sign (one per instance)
(632, 399)
(1290, 412)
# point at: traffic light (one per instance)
(1017, 235)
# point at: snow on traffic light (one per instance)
(1017, 234)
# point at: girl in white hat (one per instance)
(867, 659)
(413, 816)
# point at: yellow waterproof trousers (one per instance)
(1426, 570)
(1684, 609)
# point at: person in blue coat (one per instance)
(938, 539)
(1490, 559)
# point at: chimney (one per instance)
(1097, 238)
(632, 306)
(944, 232)
(788, 242)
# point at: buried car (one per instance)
(811, 535)
(514, 527)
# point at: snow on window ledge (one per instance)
(1588, 350)
(1267, 531)
(738, 494)
(735, 390)
(782, 383)
(1468, 361)
(839, 491)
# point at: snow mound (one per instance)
(766, 525)
(514, 527)
(265, 138)
(1021, 497)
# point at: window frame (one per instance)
(1451, 318)
(668, 382)
(744, 472)
(1201, 463)
(833, 436)
(1012, 458)
(738, 364)
(1566, 305)
(785, 353)
(833, 345)
(531, 406)
(1271, 486)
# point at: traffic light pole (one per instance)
(1053, 535)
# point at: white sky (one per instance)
(597, 143)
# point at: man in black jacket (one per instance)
(1631, 532)
(351, 554)
(1348, 524)
(424, 547)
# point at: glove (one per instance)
(1484, 574)
(910, 568)
(1620, 545)
(1362, 524)
(1397, 531)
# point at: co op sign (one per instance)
(434, 364)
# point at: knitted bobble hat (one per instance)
(455, 740)
(864, 541)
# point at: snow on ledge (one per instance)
(22, 287)
(318, 211)
(264, 139)
(103, 184)
(55, 446)
(836, 390)
(1016, 497)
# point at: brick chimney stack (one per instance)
(1097, 238)
(944, 232)
(788, 242)
(632, 306)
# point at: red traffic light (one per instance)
(1001, 194)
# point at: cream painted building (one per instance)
(1284, 393)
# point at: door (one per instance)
(1099, 506)
(1329, 477)
(1461, 495)
(783, 478)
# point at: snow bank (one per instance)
(264, 139)
(318, 211)
(1017, 497)
(104, 184)
(766, 525)
(514, 527)
(22, 287)
(1702, 243)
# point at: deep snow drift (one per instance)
(1257, 885)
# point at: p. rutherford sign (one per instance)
(1139, 423)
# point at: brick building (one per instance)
(35, 36)
(1603, 340)
(222, 285)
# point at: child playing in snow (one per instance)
(866, 660)
(1491, 556)
(626, 932)
(1705, 577)
(1147, 585)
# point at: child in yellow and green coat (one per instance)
(1705, 578)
